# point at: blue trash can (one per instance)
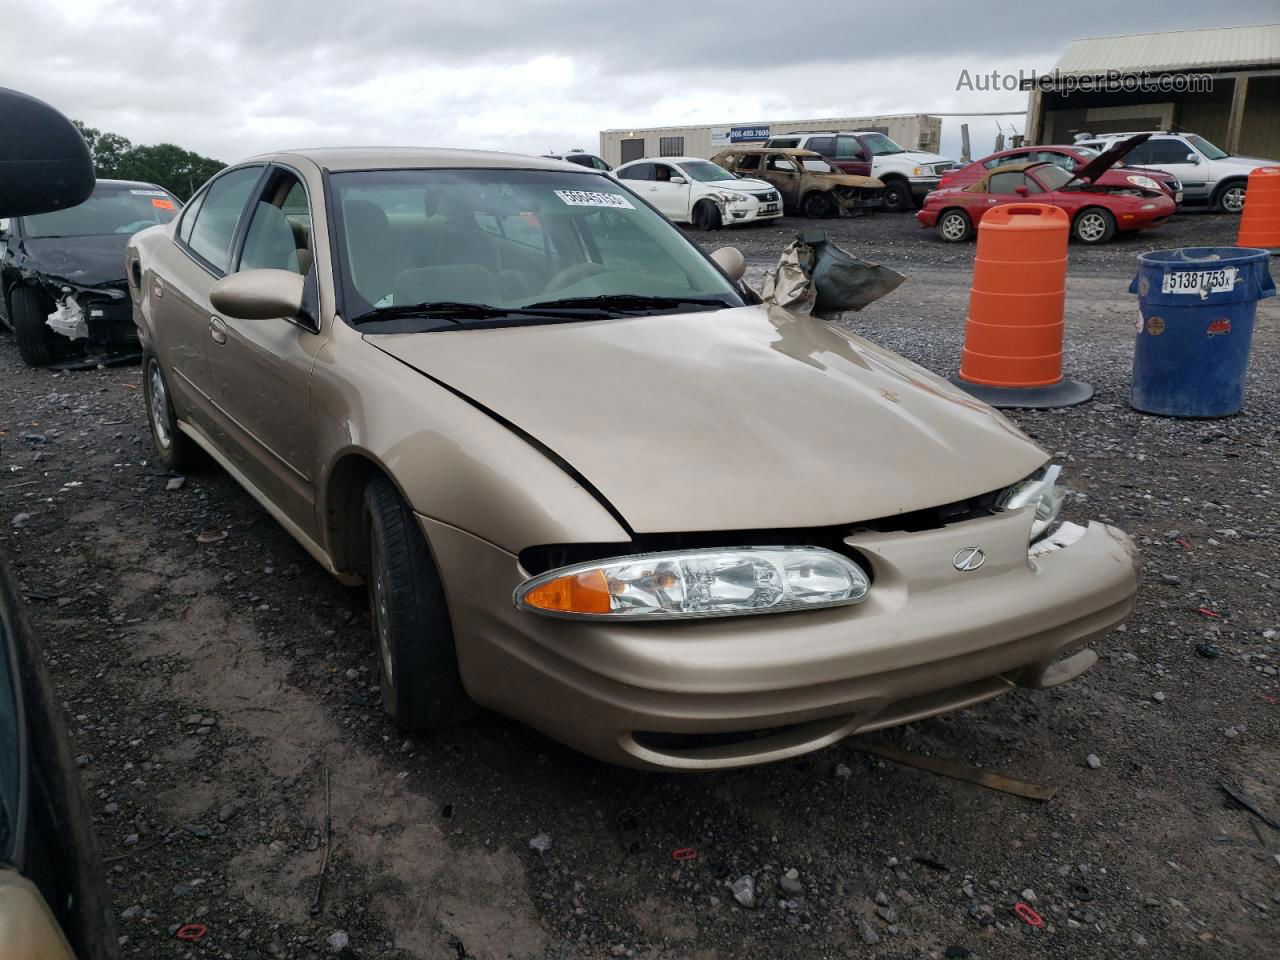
(1197, 307)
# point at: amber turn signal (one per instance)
(585, 592)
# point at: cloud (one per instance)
(231, 78)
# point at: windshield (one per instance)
(1205, 147)
(111, 209)
(507, 239)
(1052, 176)
(706, 171)
(880, 145)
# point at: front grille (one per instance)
(943, 167)
(769, 196)
(1175, 185)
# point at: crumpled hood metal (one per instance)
(747, 418)
(79, 261)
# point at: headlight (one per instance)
(1145, 182)
(1041, 490)
(730, 197)
(697, 583)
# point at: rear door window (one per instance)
(219, 215)
(641, 171)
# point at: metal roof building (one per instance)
(1222, 83)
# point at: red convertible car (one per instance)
(1069, 158)
(1097, 210)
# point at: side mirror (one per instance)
(731, 261)
(677, 180)
(1193, 158)
(258, 295)
(44, 162)
(1020, 190)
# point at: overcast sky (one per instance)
(230, 78)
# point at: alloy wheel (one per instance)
(1091, 227)
(1233, 199)
(953, 226)
(159, 406)
(381, 615)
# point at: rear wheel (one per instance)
(37, 344)
(421, 687)
(954, 226)
(174, 449)
(897, 196)
(706, 216)
(1229, 197)
(816, 206)
(1094, 225)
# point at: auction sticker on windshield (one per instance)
(1200, 281)
(591, 198)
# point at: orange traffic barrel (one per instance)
(1260, 218)
(1013, 335)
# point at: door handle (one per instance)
(218, 329)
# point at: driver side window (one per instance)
(781, 164)
(1004, 183)
(279, 234)
(219, 215)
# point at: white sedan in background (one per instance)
(696, 191)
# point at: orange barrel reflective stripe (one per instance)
(1012, 353)
(1260, 218)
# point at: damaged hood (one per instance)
(745, 418)
(1104, 161)
(78, 261)
(743, 183)
(850, 180)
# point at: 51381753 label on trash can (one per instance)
(1200, 281)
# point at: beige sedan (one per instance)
(587, 479)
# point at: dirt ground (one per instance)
(210, 686)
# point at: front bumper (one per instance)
(921, 186)
(751, 210)
(724, 693)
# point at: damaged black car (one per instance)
(62, 275)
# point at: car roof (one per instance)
(401, 158)
(786, 151)
(129, 184)
(666, 160)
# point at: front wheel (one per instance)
(37, 344)
(1094, 225)
(954, 226)
(816, 206)
(706, 216)
(1230, 197)
(897, 196)
(421, 687)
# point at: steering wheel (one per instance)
(572, 274)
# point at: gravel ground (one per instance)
(210, 685)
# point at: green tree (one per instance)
(105, 147)
(177, 170)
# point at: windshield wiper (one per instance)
(630, 301)
(460, 312)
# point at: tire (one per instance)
(421, 687)
(1229, 198)
(1094, 225)
(174, 449)
(37, 344)
(706, 216)
(816, 206)
(954, 226)
(897, 197)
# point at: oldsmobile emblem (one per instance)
(968, 559)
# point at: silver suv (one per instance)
(1208, 174)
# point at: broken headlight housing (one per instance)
(1040, 490)
(682, 584)
(730, 197)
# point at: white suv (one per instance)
(908, 175)
(696, 191)
(1208, 174)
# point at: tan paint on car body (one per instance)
(28, 930)
(754, 418)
